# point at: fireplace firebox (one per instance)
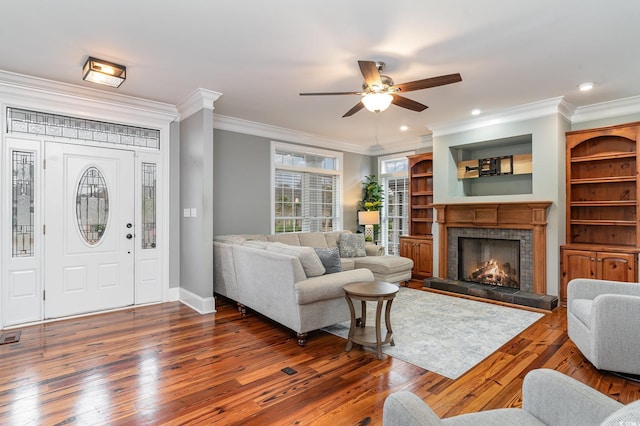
(489, 261)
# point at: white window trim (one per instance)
(306, 150)
(382, 176)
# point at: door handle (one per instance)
(129, 236)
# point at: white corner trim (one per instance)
(202, 305)
(231, 124)
(199, 99)
(615, 108)
(519, 113)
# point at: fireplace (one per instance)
(520, 227)
(468, 249)
(489, 261)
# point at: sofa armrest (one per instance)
(557, 399)
(586, 288)
(328, 286)
(407, 409)
(374, 250)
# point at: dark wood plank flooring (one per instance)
(166, 364)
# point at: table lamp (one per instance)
(368, 219)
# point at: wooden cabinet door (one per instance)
(420, 250)
(406, 248)
(616, 266)
(424, 254)
(576, 264)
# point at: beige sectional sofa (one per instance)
(279, 276)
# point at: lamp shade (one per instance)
(103, 72)
(369, 217)
(376, 102)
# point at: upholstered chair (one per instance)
(548, 398)
(603, 320)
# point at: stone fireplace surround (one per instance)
(526, 220)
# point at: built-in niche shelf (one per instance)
(515, 154)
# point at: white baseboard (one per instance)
(202, 305)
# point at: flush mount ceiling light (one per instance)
(586, 86)
(103, 72)
(376, 102)
(476, 111)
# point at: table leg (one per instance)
(352, 327)
(387, 320)
(363, 309)
(378, 332)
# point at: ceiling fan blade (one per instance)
(330, 93)
(370, 73)
(353, 110)
(428, 82)
(407, 103)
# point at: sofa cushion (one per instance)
(384, 264)
(351, 245)
(333, 237)
(347, 263)
(581, 308)
(312, 239)
(230, 239)
(256, 244)
(287, 238)
(308, 258)
(330, 258)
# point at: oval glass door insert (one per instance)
(92, 206)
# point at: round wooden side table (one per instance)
(370, 291)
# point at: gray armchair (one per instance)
(548, 398)
(603, 320)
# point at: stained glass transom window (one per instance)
(148, 205)
(22, 183)
(92, 206)
(40, 123)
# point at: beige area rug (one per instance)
(445, 334)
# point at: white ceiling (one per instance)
(260, 54)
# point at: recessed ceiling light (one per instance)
(586, 86)
(476, 111)
(404, 128)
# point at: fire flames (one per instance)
(492, 272)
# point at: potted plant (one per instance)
(373, 196)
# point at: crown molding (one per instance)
(519, 113)
(615, 108)
(417, 143)
(199, 99)
(231, 124)
(32, 92)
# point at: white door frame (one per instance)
(41, 95)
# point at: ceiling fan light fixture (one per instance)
(103, 72)
(376, 102)
(586, 86)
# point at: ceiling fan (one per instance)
(379, 91)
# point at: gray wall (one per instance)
(242, 184)
(196, 191)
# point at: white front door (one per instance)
(89, 229)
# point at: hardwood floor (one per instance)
(166, 364)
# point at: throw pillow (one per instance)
(308, 258)
(351, 245)
(330, 258)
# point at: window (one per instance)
(22, 204)
(394, 177)
(148, 239)
(306, 189)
